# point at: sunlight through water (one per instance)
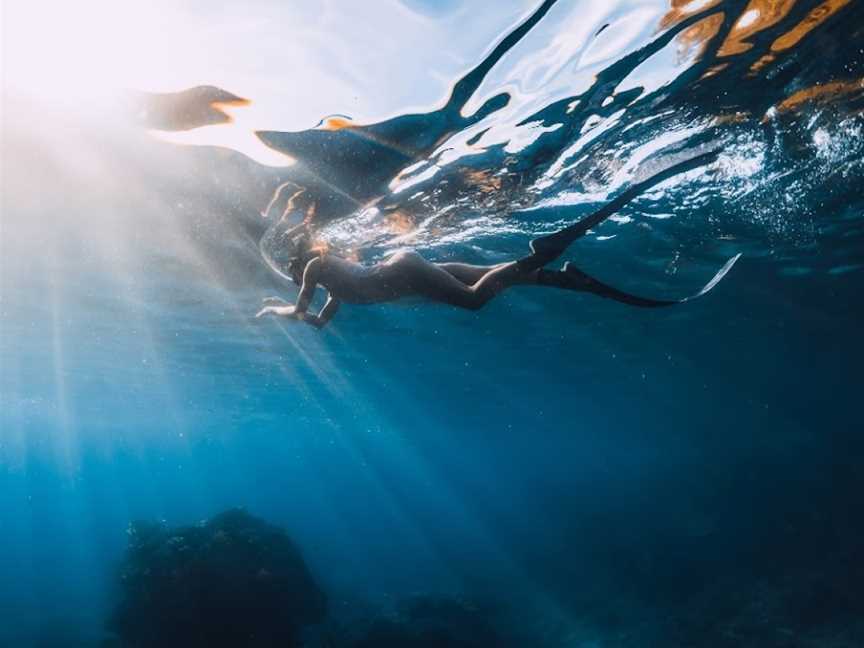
(593, 474)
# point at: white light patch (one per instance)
(748, 18)
(238, 135)
(76, 54)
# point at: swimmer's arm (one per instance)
(324, 315)
(307, 291)
(310, 282)
(300, 311)
(311, 275)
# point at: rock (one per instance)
(234, 580)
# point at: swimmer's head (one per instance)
(304, 250)
(299, 257)
(289, 238)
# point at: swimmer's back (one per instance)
(355, 283)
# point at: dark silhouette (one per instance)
(232, 581)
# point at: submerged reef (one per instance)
(238, 581)
(433, 622)
(233, 580)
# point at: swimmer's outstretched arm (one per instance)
(300, 310)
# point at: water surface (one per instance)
(605, 476)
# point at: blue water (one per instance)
(599, 475)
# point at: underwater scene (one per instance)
(432, 323)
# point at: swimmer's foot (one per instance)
(545, 250)
(571, 278)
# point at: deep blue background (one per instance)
(556, 451)
(683, 476)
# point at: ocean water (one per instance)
(584, 472)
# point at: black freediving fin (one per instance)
(571, 278)
(546, 249)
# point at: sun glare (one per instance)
(76, 53)
(85, 56)
(238, 134)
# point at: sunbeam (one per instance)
(589, 458)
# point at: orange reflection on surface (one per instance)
(483, 181)
(762, 62)
(220, 106)
(682, 9)
(231, 102)
(336, 123)
(759, 15)
(822, 93)
(698, 35)
(399, 222)
(817, 16)
(714, 70)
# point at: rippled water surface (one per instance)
(586, 473)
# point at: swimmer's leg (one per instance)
(546, 249)
(434, 282)
(499, 279)
(468, 273)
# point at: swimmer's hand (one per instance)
(284, 308)
(276, 300)
(282, 311)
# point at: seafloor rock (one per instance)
(433, 622)
(231, 581)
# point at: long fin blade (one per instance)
(572, 278)
(716, 278)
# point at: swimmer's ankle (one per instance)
(545, 277)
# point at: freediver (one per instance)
(407, 274)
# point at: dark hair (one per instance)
(303, 253)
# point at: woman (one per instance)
(407, 274)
